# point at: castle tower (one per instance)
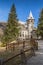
(30, 24)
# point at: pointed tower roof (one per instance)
(30, 16)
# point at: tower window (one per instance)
(31, 17)
(20, 35)
(31, 20)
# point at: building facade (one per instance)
(27, 28)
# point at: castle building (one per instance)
(27, 28)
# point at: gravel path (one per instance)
(38, 59)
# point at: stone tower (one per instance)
(30, 24)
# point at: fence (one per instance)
(17, 59)
(21, 56)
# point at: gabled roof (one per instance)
(30, 16)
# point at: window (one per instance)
(20, 34)
(23, 35)
(23, 32)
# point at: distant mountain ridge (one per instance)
(2, 27)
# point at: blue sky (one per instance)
(23, 8)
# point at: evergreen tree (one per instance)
(11, 31)
(40, 24)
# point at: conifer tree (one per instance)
(11, 31)
(40, 24)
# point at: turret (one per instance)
(30, 24)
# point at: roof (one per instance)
(30, 16)
(21, 22)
